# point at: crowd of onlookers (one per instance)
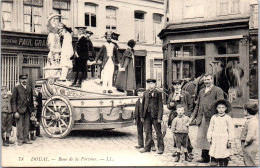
(210, 112)
(22, 109)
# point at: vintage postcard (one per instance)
(129, 83)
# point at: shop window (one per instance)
(9, 70)
(226, 7)
(227, 47)
(6, 14)
(192, 9)
(62, 7)
(139, 26)
(157, 27)
(111, 23)
(33, 16)
(90, 15)
(188, 50)
(188, 60)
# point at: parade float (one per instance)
(67, 108)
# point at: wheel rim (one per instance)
(57, 118)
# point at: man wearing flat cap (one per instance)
(22, 105)
(151, 114)
(109, 56)
(81, 56)
(179, 96)
(138, 122)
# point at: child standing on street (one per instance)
(220, 133)
(137, 120)
(249, 135)
(180, 130)
(7, 116)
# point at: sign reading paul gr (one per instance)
(23, 41)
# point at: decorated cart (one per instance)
(68, 108)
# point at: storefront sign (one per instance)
(23, 42)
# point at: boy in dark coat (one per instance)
(137, 120)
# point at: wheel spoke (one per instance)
(50, 109)
(60, 127)
(63, 123)
(54, 105)
(47, 117)
(50, 124)
(65, 116)
(64, 109)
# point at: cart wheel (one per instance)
(163, 129)
(57, 120)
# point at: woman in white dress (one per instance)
(66, 51)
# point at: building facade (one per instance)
(24, 33)
(217, 36)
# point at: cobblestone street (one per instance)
(99, 148)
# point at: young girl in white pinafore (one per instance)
(220, 133)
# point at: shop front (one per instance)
(218, 47)
(22, 53)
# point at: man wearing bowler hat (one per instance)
(80, 57)
(22, 105)
(151, 114)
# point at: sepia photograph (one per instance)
(129, 83)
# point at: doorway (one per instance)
(140, 71)
(33, 74)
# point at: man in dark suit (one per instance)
(203, 114)
(151, 114)
(80, 57)
(109, 56)
(22, 105)
(138, 122)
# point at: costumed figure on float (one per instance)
(126, 72)
(53, 40)
(66, 50)
(109, 56)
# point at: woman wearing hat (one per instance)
(220, 133)
(126, 75)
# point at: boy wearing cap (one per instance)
(151, 114)
(109, 56)
(38, 97)
(137, 120)
(7, 116)
(250, 134)
(22, 105)
(35, 118)
(180, 96)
